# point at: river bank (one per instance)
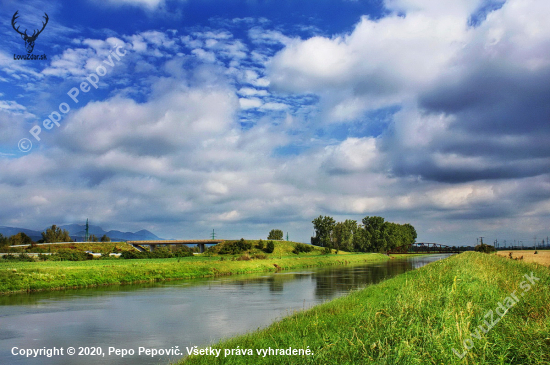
(50, 275)
(441, 313)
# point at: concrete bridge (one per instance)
(178, 243)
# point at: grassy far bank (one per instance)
(418, 318)
(52, 275)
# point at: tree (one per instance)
(377, 233)
(275, 234)
(55, 234)
(20, 239)
(93, 238)
(359, 240)
(270, 247)
(105, 238)
(485, 248)
(323, 231)
(343, 233)
(4, 241)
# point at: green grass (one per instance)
(416, 318)
(52, 275)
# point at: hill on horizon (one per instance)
(78, 232)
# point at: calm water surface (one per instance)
(183, 313)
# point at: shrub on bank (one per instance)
(485, 248)
(270, 247)
(300, 247)
(235, 247)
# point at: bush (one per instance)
(270, 247)
(245, 257)
(130, 255)
(259, 256)
(261, 245)
(161, 253)
(485, 248)
(68, 255)
(184, 251)
(22, 257)
(300, 247)
(235, 247)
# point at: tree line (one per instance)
(373, 234)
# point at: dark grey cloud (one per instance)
(495, 100)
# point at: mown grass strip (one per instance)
(50, 275)
(416, 318)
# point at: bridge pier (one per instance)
(152, 247)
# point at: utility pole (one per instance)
(213, 235)
(87, 232)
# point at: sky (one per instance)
(184, 116)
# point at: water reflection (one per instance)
(162, 315)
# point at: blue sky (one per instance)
(243, 116)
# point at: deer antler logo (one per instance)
(29, 40)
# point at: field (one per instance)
(52, 275)
(542, 257)
(417, 318)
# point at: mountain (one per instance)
(10, 231)
(78, 232)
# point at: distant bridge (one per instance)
(178, 243)
(423, 248)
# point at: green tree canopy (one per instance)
(56, 234)
(323, 231)
(374, 235)
(4, 241)
(105, 238)
(343, 233)
(275, 234)
(270, 247)
(20, 239)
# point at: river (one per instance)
(177, 313)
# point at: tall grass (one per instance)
(416, 318)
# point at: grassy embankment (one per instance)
(52, 275)
(417, 318)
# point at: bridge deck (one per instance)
(153, 244)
